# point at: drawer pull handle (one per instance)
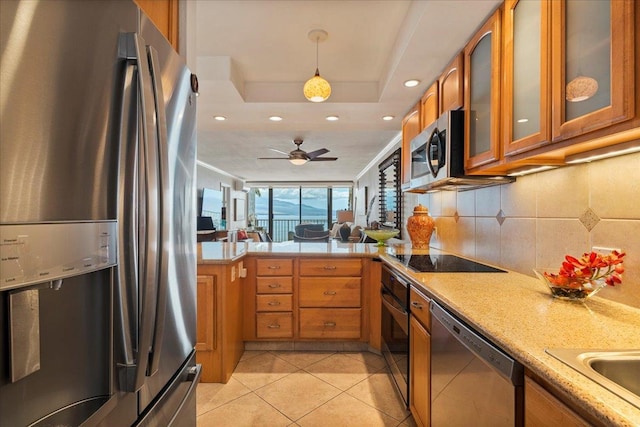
(274, 302)
(274, 285)
(416, 304)
(330, 267)
(330, 324)
(330, 292)
(275, 326)
(274, 267)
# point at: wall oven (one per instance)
(395, 328)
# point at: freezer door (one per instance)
(174, 332)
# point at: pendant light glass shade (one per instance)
(317, 89)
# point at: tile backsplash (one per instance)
(535, 221)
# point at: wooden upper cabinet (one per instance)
(593, 65)
(164, 14)
(452, 85)
(527, 75)
(429, 106)
(411, 127)
(482, 95)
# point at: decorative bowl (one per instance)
(382, 235)
(574, 289)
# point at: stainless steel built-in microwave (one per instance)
(437, 152)
(437, 157)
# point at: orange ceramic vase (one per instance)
(420, 227)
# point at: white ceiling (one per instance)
(253, 57)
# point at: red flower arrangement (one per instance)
(579, 278)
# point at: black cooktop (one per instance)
(444, 264)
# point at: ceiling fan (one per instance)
(300, 157)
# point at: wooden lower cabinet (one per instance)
(420, 360)
(311, 298)
(274, 325)
(334, 323)
(542, 409)
(220, 342)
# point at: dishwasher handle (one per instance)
(493, 356)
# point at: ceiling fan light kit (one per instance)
(317, 89)
(299, 157)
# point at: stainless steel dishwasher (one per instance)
(473, 382)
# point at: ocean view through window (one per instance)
(279, 209)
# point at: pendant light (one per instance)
(317, 89)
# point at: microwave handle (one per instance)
(435, 152)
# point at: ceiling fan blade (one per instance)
(278, 151)
(314, 154)
(273, 158)
(323, 159)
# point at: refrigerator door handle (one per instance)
(137, 283)
(150, 231)
(163, 209)
(126, 288)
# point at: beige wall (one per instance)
(535, 221)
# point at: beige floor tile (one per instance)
(297, 394)
(211, 395)
(248, 354)
(261, 370)
(372, 360)
(379, 391)
(345, 410)
(246, 411)
(408, 422)
(302, 359)
(341, 371)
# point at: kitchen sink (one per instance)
(616, 370)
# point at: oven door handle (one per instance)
(400, 315)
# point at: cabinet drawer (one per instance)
(419, 306)
(276, 302)
(330, 323)
(274, 325)
(330, 267)
(274, 285)
(330, 292)
(274, 267)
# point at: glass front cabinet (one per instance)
(568, 70)
(592, 65)
(482, 95)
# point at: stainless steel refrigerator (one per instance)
(97, 218)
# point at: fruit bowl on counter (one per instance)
(381, 235)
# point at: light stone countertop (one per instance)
(515, 310)
(519, 314)
(224, 253)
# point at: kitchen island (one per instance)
(514, 310)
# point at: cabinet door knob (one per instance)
(329, 292)
(330, 267)
(330, 324)
(274, 302)
(274, 267)
(274, 326)
(416, 304)
(274, 285)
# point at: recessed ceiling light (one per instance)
(387, 118)
(523, 120)
(332, 118)
(220, 118)
(412, 83)
(275, 118)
